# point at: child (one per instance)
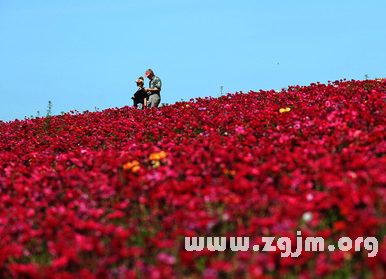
(140, 97)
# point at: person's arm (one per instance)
(152, 90)
(145, 102)
(156, 83)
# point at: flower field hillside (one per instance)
(114, 193)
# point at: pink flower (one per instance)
(166, 259)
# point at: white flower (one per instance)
(307, 216)
(225, 217)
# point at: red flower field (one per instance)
(113, 194)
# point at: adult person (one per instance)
(140, 97)
(154, 90)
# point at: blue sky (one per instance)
(86, 54)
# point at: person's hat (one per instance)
(148, 72)
(139, 80)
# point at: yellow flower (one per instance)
(284, 110)
(156, 164)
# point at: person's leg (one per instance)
(149, 102)
(154, 100)
(158, 101)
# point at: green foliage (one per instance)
(49, 109)
(47, 121)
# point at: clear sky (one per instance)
(86, 54)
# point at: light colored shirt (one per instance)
(155, 82)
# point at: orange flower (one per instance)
(157, 156)
(133, 166)
(229, 172)
(135, 169)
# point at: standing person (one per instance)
(154, 90)
(140, 97)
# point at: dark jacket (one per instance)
(139, 96)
